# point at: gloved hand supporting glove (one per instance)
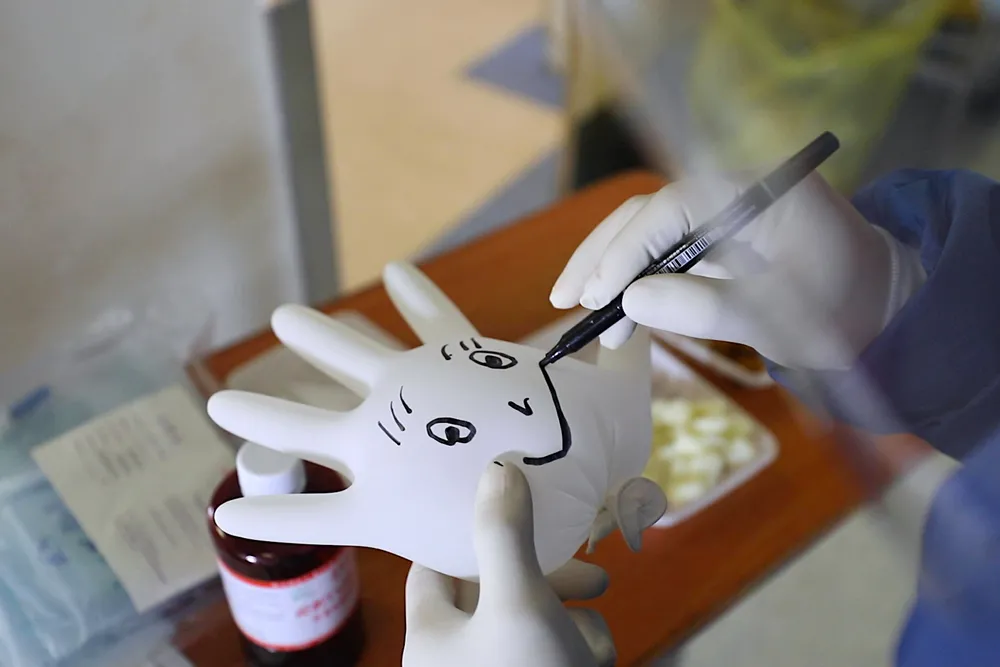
(828, 280)
(515, 615)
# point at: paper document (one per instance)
(138, 480)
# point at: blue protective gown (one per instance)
(938, 364)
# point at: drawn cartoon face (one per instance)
(431, 420)
(501, 374)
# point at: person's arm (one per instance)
(927, 335)
(937, 362)
(955, 618)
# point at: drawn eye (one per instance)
(450, 431)
(490, 359)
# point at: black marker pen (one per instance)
(696, 244)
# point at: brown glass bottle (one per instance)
(295, 605)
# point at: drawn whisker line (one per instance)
(392, 410)
(387, 434)
(463, 346)
(402, 400)
(476, 343)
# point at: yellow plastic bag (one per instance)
(771, 75)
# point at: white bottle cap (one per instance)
(266, 472)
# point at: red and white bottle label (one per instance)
(294, 614)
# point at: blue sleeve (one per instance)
(938, 361)
(938, 364)
(955, 619)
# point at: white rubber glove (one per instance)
(515, 616)
(808, 284)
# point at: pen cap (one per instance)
(266, 472)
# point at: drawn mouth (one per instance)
(564, 430)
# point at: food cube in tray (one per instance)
(704, 444)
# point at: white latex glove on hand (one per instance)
(818, 280)
(519, 619)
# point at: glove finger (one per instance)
(466, 596)
(660, 224)
(596, 633)
(710, 268)
(578, 580)
(688, 305)
(637, 505)
(569, 286)
(430, 600)
(298, 518)
(618, 334)
(604, 524)
(509, 572)
(768, 313)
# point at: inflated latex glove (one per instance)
(514, 616)
(808, 284)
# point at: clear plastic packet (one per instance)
(60, 602)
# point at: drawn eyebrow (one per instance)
(476, 343)
(447, 357)
(388, 435)
(463, 346)
(392, 410)
(406, 407)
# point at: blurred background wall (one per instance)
(140, 158)
(148, 150)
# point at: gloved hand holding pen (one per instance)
(909, 289)
(839, 279)
(811, 253)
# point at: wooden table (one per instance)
(684, 576)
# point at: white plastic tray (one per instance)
(672, 378)
(719, 363)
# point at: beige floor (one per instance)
(413, 145)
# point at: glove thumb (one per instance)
(504, 538)
(688, 305)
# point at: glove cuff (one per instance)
(907, 274)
